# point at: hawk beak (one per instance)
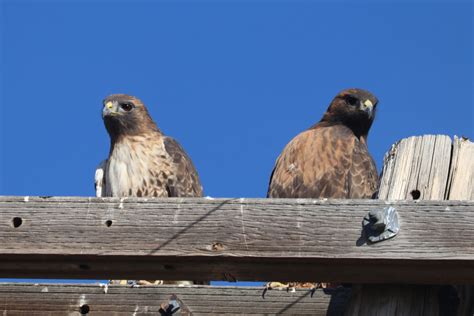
(109, 109)
(368, 107)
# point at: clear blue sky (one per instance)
(233, 81)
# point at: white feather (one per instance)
(99, 178)
(128, 163)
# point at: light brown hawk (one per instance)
(142, 161)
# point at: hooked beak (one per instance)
(368, 107)
(110, 109)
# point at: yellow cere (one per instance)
(368, 103)
(109, 105)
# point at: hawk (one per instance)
(142, 161)
(331, 158)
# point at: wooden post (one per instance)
(422, 168)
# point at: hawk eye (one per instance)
(351, 100)
(127, 107)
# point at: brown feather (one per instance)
(331, 159)
(142, 161)
(185, 183)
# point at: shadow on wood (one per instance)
(422, 168)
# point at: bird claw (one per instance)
(277, 286)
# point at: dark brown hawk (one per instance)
(331, 158)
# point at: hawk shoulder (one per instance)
(324, 162)
(185, 182)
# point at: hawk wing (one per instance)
(324, 162)
(185, 182)
(363, 179)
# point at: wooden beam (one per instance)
(232, 239)
(428, 167)
(73, 299)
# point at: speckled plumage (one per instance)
(331, 159)
(142, 161)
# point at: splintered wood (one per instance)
(461, 177)
(416, 168)
(429, 167)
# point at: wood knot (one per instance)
(217, 246)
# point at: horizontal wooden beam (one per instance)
(233, 239)
(72, 299)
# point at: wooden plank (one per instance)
(232, 239)
(71, 299)
(423, 168)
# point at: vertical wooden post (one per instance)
(429, 167)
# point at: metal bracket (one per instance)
(174, 306)
(380, 225)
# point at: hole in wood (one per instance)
(108, 223)
(17, 221)
(415, 194)
(84, 309)
(168, 267)
(217, 246)
(84, 267)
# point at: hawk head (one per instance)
(354, 108)
(125, 115)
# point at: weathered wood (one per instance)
(69, 299)
(461, 187)
(242, 239)
(422, 168)
(461, 179)
(252, 240)
(416, 168)
(394, 299)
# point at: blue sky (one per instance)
(233, 81)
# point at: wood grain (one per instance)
(461, 177)
(428, 167)
(68, 299)
(417, 163)
(253, 239)
(242, 239)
